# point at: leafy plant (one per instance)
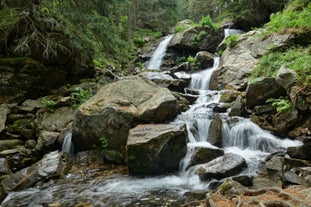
(207, 23)
(280, 104)
(193, 62)
(191, 59)
(79, 96)
(296, 58)
(197, 38)
(104, 142)
(180, 28)
(231, 41)
(47, 103)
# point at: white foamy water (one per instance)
(240, 136)
(157, 57)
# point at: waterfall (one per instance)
(229, 32)
(67, 144)
(240, 136)
(156, 59)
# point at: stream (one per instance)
(240, 136)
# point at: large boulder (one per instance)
(259, 92)
(185, 40)
(225, 166)
(239, 61)
(52, 165)
(155, 149)
(118, 107)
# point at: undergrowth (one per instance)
(297, 59)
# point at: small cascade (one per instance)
(67, 143)
(201, 80)
(229, 32)
(156, 59)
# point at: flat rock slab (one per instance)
(156, 149)
(225, 166)
(52, 165)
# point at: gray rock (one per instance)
(271, 175)
(48, 141)
(300, 152)
(285, 77)
(285, 120)
(4, 168)
(117, 108)
(30, 106)
(10, 144)
(52, 165)
(230, 188)
(155, 149)
(215, 136)
(4, 111)
(184, 40)
(205, 59)
(257, 93)
(239, 62)
(221, 167)
(201, 155)
(56, 120)
(237, 108)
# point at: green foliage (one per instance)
(193, 62)
(104, 142)
(207, 23)
(180, 28)
(280, 104)
(197, 38)
(297, 59)
(180, 60)
(291, 18)
(191, 59)
(79, 96)
(231, 41)
(139, 42)
(47, 103)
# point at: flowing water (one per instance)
(67, 143)
(157, 57)
(240, 136)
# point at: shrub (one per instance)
(180, 28)
(231, 41)
(79, 96)
(280, 104)
(296, 58)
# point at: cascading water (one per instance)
(157, 57)
(67, 143)
(240, 136)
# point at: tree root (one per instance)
(194, 204)
(253, 197)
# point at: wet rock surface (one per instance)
(155, 149)
(52, 165)
(118, 107)
(225, 166)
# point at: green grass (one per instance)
(297, 15)
(297, 59)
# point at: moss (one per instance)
(13, 62)
(8, 17)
